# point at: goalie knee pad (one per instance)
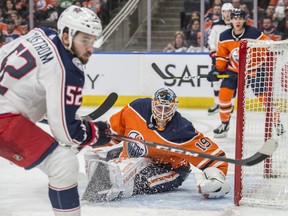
(214, 184)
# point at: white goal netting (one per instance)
(263, 95)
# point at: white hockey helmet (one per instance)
(79, 19)
(226, 7)
(164, 106)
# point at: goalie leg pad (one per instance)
(158, 178)
(114, 179)
(99, 181)
(214, 184)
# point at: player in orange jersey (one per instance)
(144, 170)
(227, 61)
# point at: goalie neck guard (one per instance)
(164, 106)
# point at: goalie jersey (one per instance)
(135, 120)
(38, 76)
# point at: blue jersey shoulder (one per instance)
(250, 32)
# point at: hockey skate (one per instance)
(213, 109)
(222, 130)
(279, 128)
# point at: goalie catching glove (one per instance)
(212, 183)
(98, 134)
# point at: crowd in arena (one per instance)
(14, 14)
(272, 20)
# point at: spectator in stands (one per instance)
(249, 19)
(178, 44)
(54, 11)
(191, 33)
(214, 11)
(209, 20)
(19, 25)
(49, 17)
(10, 6)
(270, 12)
(283, 25)
(40, 8)
(194, 15)
(22, 8)
(269, 30)
(10, 33)
(210, 11)
(197, 47)
(236, 3)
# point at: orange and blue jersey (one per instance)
(227, 56)
(135, 120)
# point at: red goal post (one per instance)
(262, 114)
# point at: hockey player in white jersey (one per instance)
(42, 74)
(213, 39)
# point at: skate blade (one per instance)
(222, 135)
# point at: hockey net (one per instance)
(262, 114)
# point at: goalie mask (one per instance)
(164, 105)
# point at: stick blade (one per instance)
(269, 147)
(103, 108)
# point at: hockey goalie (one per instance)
(125, 169)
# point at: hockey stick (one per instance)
(102, 109)
(265, 151)
(163, 76)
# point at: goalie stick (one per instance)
(265, 151)
(102, 109)
(163, 76)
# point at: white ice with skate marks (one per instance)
(25, 193)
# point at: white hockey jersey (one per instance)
(213, 38)
(38, 77)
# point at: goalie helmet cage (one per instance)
(266, 64)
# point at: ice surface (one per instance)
(25, 193)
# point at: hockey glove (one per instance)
(212, 75)
(99, 133)
(215, 185)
